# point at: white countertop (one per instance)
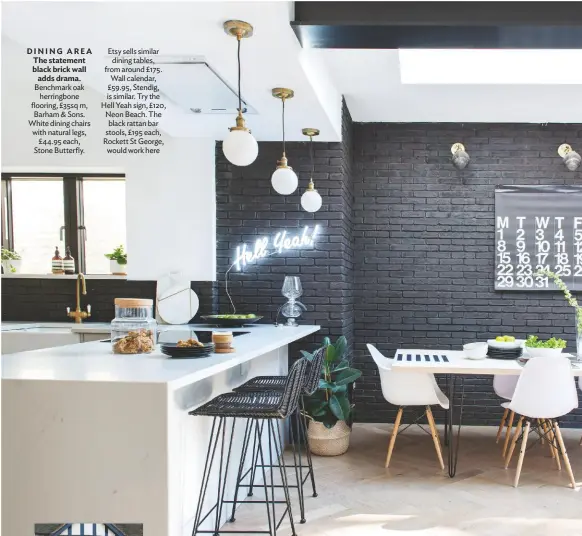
(94, 361)
(88, 327)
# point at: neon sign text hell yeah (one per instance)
(265, 246)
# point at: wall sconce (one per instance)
(460, 156)
(571, 158)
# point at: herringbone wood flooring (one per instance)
(357, 496)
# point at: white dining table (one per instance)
(455, 366)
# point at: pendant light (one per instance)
(284, 179)
(239, 146)
(311, 200)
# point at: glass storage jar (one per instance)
(133, 330)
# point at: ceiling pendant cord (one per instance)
(283, 122)
(312, 160)
(238, 39)
(312, 157)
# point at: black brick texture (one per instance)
(46, 300)
(248, 207)
(424, 246)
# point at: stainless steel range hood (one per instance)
(193, 85)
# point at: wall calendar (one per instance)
(538, 227)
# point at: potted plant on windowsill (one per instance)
(118, 261)
(10, 261)
(329, 408)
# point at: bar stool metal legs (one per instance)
(253, 432)
(297, 428)
(303, 420)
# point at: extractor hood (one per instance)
(193, 85)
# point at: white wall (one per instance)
(170, 197)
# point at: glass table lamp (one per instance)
(293, 309)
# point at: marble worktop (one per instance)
(94, 361)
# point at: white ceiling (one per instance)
(271, 58)
(369, 79)
(370, 82)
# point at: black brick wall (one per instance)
(248, 207)
(46, 300)
(424, 251)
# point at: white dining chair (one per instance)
(504, 387)
(545, 391)
(409, 389)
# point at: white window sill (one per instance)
(63, 276)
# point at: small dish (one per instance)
(475, 350)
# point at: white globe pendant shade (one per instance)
(240, 148)
(311, 201)
(284, 180)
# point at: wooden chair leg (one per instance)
(564, 455)
(521, 454)
(553, 442)
(507, 433)
(502, 424)
(580, 442)
(435, 436)
(393, 436)
(514, 439)
(542, 437)
(546, 434)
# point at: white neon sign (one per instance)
(265, 247)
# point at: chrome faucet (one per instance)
(77, 314)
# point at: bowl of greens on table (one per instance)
(539, 348)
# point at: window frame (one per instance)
(74, 210)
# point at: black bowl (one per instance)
(216, 320)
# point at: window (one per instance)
(86, 213)
(104, 204)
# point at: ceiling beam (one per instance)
(392, 25)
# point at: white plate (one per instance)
(475, 358)
(506, 345)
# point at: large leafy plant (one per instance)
(330, 403)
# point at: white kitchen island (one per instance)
(88, 436)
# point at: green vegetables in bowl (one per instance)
(533, 342)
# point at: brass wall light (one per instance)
(284, 179)
(571, 158)
(311, 200)
(460, 156)
(239, 146)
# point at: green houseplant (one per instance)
(329, 408)
(572, 301)
(10, 261)
(118, 261)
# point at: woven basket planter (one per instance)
(328, 441)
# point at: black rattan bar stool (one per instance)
(259, 410)
(277, 384)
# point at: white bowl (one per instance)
(475, 350)
(506, 345)
(543, 352)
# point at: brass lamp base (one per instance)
(238, 28)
